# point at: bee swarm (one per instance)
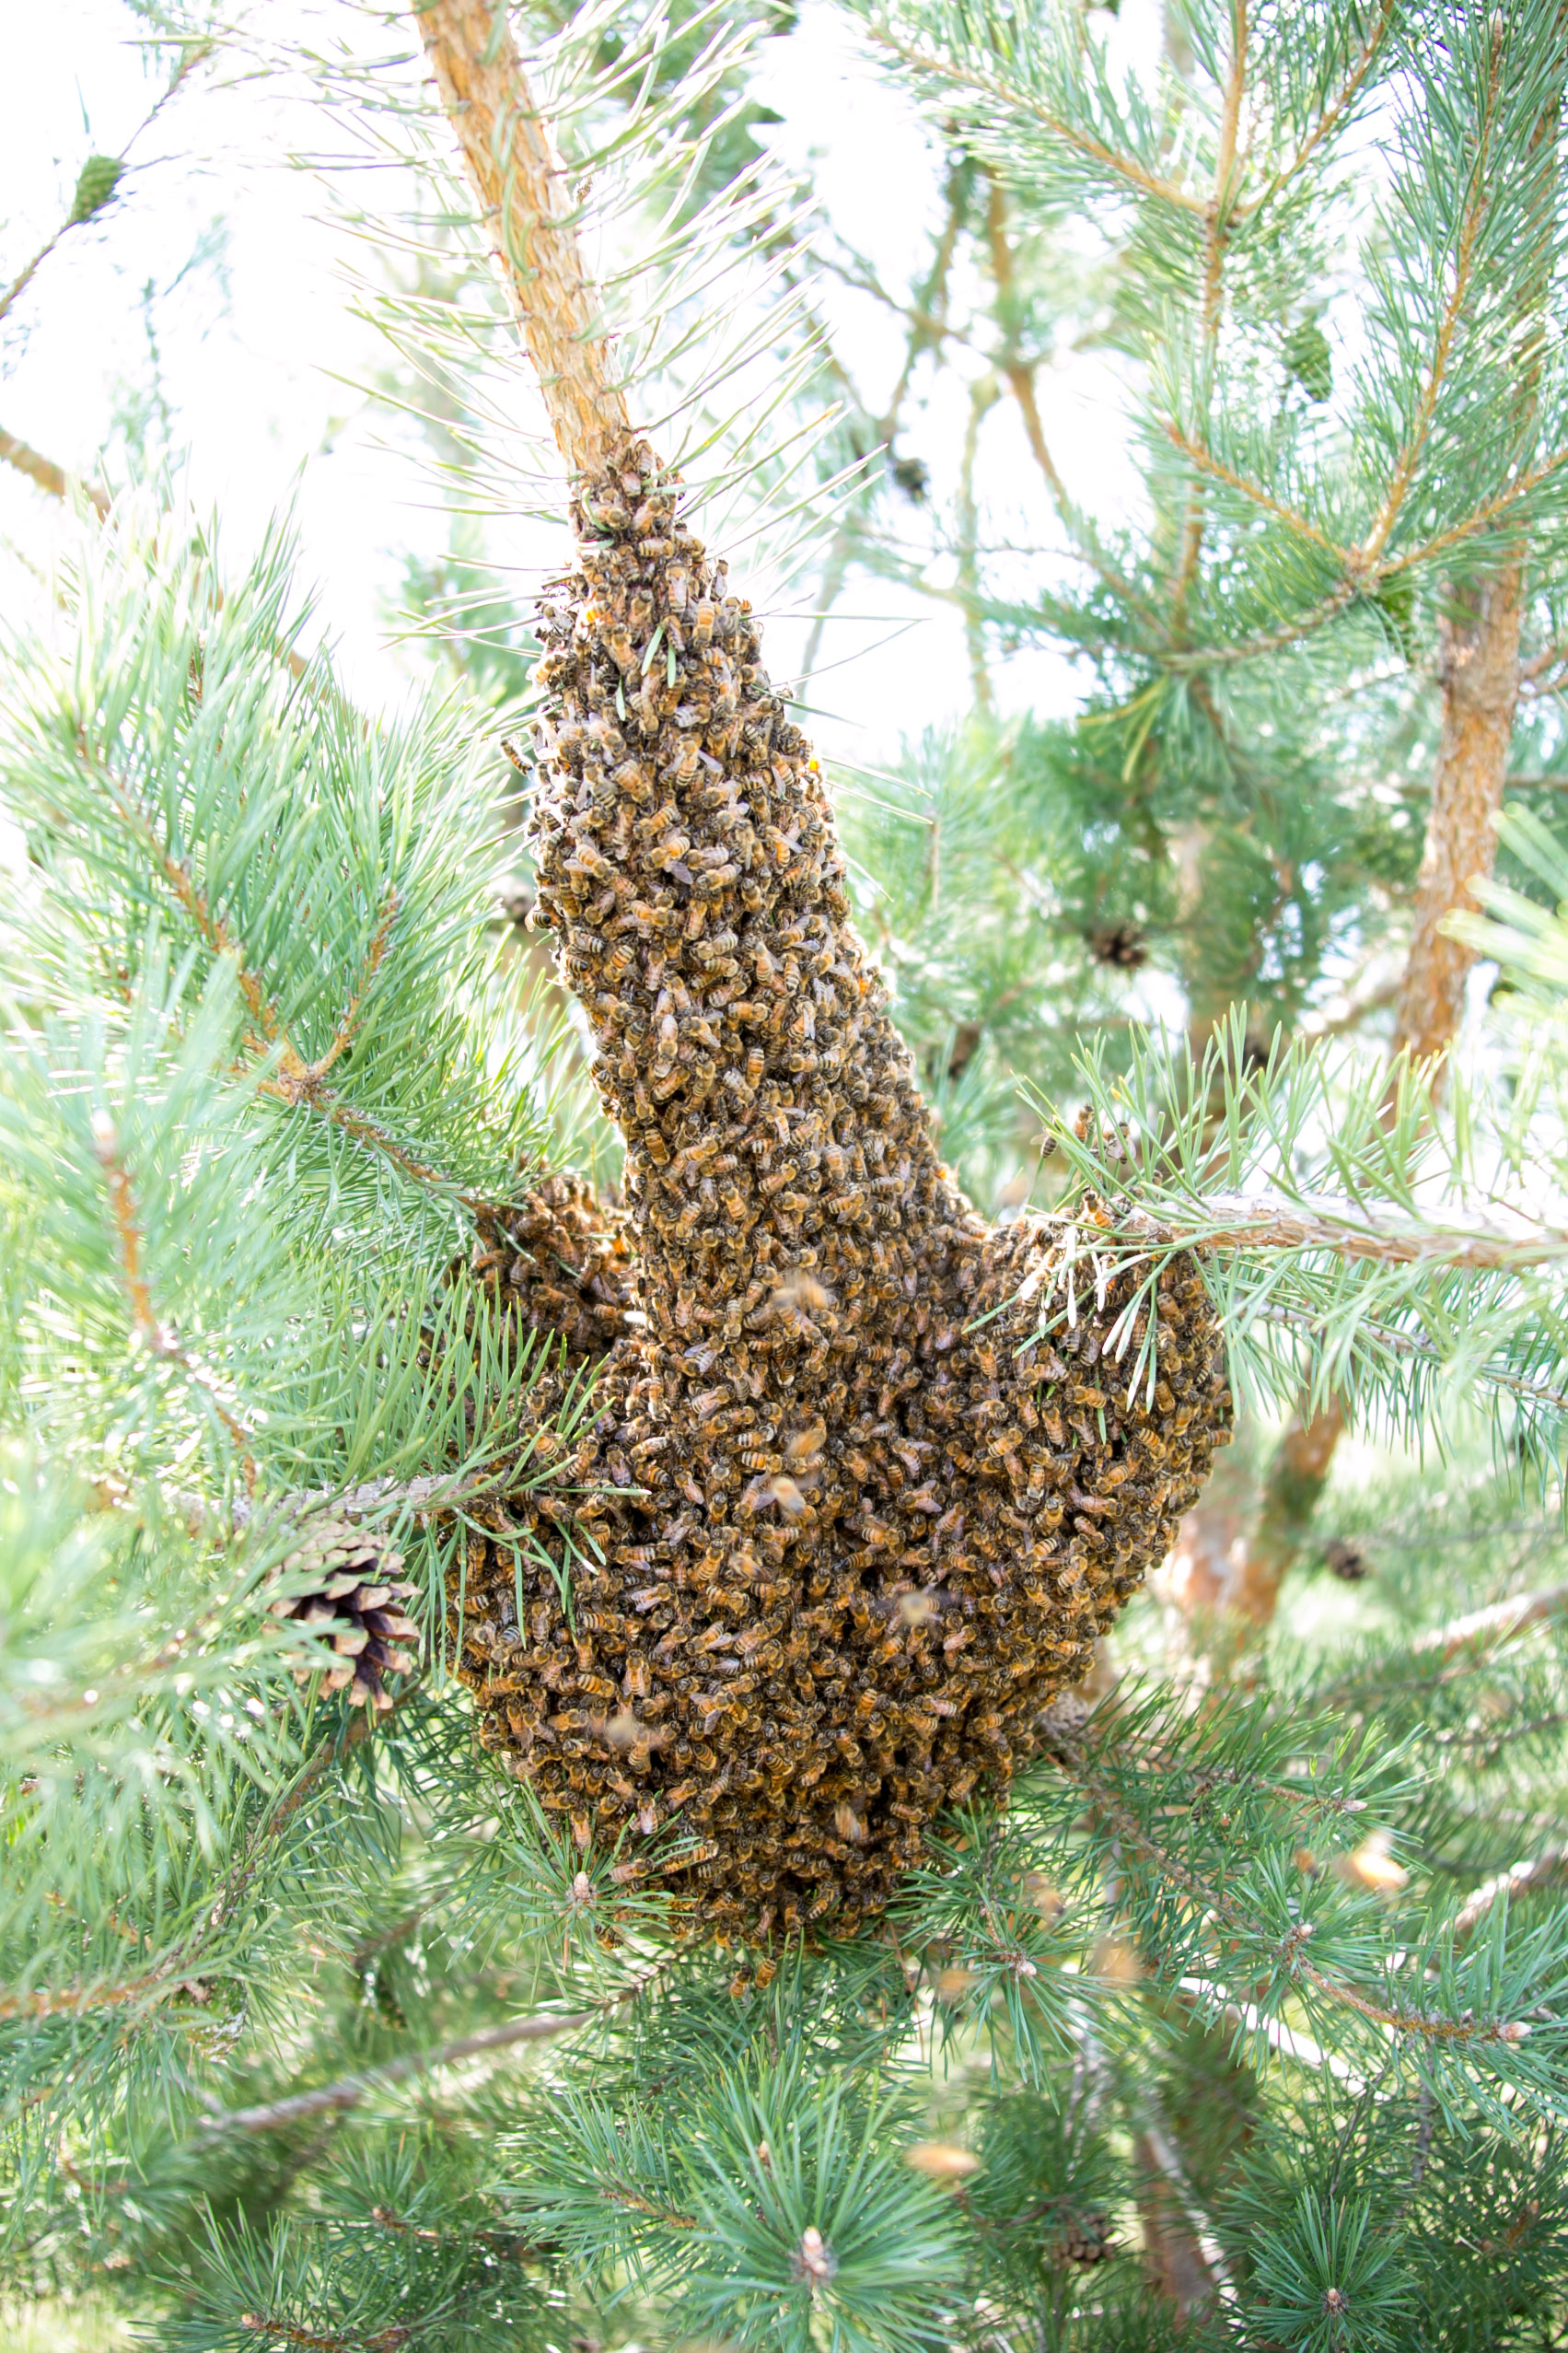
(828, 1546)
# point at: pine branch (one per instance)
(1211, 301)
(1479, 661)
(1018, 374)
(1116, 165)
(1290, 1959)
(350, 2091)
(522, 192)
(1485, 1630)
(1341, 104)
(1547, 1869)
(147, 1329)
(97, 184)
(51, 477)
(1362, 1231)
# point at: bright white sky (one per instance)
(264, 379)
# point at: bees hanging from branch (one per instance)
(854, 1519)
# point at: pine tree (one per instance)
(447, 1613)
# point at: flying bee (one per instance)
(788, 1496)
(805, 1446)
(801, 1289)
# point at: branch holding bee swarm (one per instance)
(842, 1524)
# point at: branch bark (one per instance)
(336, 2099)
(1479, 666)
(1479, 645)
(1540, 1870)
(1486, 1629)
(49, 476)
(521, 184)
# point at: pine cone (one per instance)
(1121, 945)
(1085, 2235)
(843, 1522)
(354, 1610)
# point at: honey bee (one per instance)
(750, 1028)
(805, 1446)
(801, 1289)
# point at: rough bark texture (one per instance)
(832, 1540)
(1480, 670)
(521, 186)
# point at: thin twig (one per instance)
(1007, 94)
(1537, 1870)
(191, 57)
(51, 477)
(1310, 1221)
(147, 1328)
(1217, 217)
(350, 2091)
(1497, 1624)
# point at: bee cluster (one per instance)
(558, 1264)
(843, 1521)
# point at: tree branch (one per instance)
(51, 477)
(1547, 1870)
(349, 2090)
(1314, 1222)
(1216, 215)
(147, 1328)
(1124, 167)
(521, 184)
(1488, 1629)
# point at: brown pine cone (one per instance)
(1084, 2235)
(354, 1609)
